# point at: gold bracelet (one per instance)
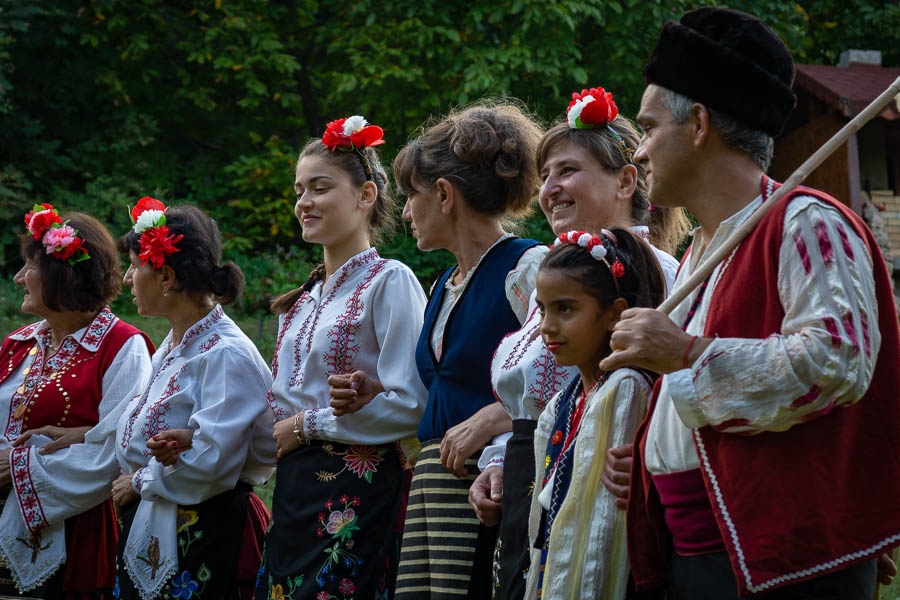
(297, 430)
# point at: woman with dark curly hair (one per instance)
(193, 529)
(64, 381)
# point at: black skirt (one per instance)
(209, 545)
(334, 529)
(518, 487)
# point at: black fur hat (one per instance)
(729, 61)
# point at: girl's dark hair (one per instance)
(85, 286)
(642, 284)
(486, 150)
(196, 264)
(382, 221)
(668, 226)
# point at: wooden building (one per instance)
(867, 168)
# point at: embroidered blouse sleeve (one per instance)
(230, 390)
(398, 312)
(494, 453)
(74, 479)
(521, 281)
(825, 354)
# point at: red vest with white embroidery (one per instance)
(65, 390)
(791, 505)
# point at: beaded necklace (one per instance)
(575, 405)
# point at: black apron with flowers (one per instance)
(334, 532)
(209, 544)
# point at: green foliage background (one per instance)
(105, 101)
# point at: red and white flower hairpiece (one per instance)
(353, 134)
(598, 247)
(58, 237)
(595, 108)
(149, 218)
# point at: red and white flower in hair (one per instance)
(156, 242)
(352, 133)
(58, 237)
(591, 108)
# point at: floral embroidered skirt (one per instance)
(335, 524)
(215, 551)
(446, 552)
(518, 487)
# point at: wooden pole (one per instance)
(797, 177)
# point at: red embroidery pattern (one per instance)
(526, 338)
(67, 350)
(137, 480)
(307, 330)
(209, 343)
(199, 328)
(156, 412)
(342, 334)
(30, 504)
(99, 327)
(549, 379)
(285, 326)
(312, 428)
(26, 332)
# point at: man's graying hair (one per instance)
(759, 145)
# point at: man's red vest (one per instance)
(798, 504)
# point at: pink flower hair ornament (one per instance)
(58, 237)
(596, 108)
(353, 134)
(156, 242)
(599, 247)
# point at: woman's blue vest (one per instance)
(460, 383)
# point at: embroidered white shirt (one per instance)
(367, 316)
(824, 356)
(214, 382)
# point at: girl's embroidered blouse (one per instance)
(366, 316)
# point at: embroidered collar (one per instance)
(194, 331)
(364, 258)
(90, 337)
(642, 231)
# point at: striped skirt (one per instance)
(446, 552)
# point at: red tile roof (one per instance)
(849, 89)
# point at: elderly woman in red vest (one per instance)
(63, 383)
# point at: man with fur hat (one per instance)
(769, 463)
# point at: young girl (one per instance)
(577, 534)
(340, 478)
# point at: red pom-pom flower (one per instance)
(156, 244)
(591, 108)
